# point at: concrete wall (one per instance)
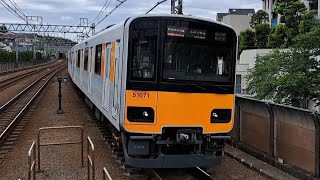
(279, 132)
(255, 124)
(238, 22)
(295, 136)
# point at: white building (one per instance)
(239, 19)
(246, 62)
(274, 19)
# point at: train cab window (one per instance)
(97, 61)
(86, 59)
(194, 52)
(78, 58)
(143, 54)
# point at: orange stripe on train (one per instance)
(179, 109)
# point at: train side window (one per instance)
(86, 59)
(78, 60)
(97, 61)
(91, 58)
(107, 61)
(82, 58)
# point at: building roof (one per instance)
(235, 12)
(220, 15)
(241, 11)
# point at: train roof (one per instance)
(130, 19)
(180, 16)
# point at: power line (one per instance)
(158, 3)
(105, 9)
(11, 10)
(16, 7)
(102, 10)
(117, 6)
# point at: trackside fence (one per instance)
(5, 66)
(32, 162)
(284, 136)
(90, 159)
(41, 131)
(106, 175)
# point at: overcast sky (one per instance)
(70, 11)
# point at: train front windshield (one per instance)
(181, 50)
(195, 52)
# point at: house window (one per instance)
(97, 62)
(238, 84)
(313, 5)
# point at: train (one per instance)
(164, 85)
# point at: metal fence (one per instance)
(32, 162)
(90, 159)
(5, 66)
(290, 135)
(106, 175)
(67, 128)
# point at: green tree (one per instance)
(278, 37)
(308, 22)
(247, 40)
(285, 77)
(291, 15)
(258, 18)
(289, 76)
(262, 32)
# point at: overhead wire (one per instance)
(117, 6)
(158, 3)
(105, 10)
(11, 10)
(104, 7)
(14, 4)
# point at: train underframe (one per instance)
(174, 148)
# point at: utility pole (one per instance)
(17, 53)
(176, 8)
(34, 45)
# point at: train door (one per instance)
(74, 65)
(91, 61)
(106, 84)
(115, 104)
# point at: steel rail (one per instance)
(25, 68)
(201, 174)
(21, 112)
(7, 82)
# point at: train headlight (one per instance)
(140, 114)
(221, 116)
(145, 114)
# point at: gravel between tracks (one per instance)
(59, 162)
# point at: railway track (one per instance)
(15, 79)
(25, 68)
(196, 173)
(15, 113)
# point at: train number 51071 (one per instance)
(140, 95)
